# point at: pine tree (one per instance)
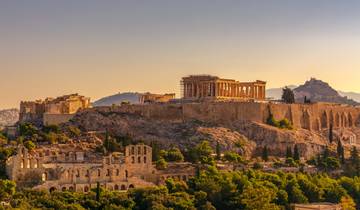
(296, 153)
(98, 191)
(354, 157)
(218, 151)
(265, 154)
(289, 152)
(288, 96)
(326, 153)
(340, 152)
(331, 133)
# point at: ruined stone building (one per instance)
(76, 168)
(52, 110)
(156, 98)
(210, 88)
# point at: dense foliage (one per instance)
(210, 189)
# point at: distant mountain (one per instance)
(8, 117)
(317, 90)
(133, 98)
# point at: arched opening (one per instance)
(108, 172)
(99, 172)
(350, 118)
(337, 120)
(123, 187)
(126, 174)
(184, 178)
(71, 189)
(139, 159)
(52, 189)
(44, 177)
(344, 121)
(63, 189)
(116, 187)
(36, 163)
(86, 189)
(117, 172)
(22, 164)
(324, 121)
(131, 186)
(305, 120)
(145, 159)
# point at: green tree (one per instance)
(340, 152)
(265, 154)
(296, 153)
(29, 145)
(258, 198)
(161, 164)
(202, 153)
(331, 133)
(7, 189)
(289, 152)
(288, 96)
(173, 155)
(218, 151)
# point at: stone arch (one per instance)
(126, 174)
(63, 189)
(305, 120)
(123, 187)
(86, 189)
(344, 120)
(116, 187)
(331, 119)
(131, 186)
(324, 120)
(350, 119)
(337, 120)
(52, 189)
(71, 188)
(317, 125)
(44, 177)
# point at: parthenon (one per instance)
(207, 87)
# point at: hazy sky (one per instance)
(98, 48)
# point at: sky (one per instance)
(99, 48)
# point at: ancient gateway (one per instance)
(206, 87)
(52, 110)
(75, 168)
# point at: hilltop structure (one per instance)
(156, 98)
(76, 168)
(52, 110)
(213, 88)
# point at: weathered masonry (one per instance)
(74, 168)
(206, 87)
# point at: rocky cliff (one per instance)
(253, 135)
(8, 117)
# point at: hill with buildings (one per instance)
(8, 117)
(317, 91)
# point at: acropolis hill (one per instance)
(223, 110)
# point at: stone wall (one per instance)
(307, 116)
(56, 119)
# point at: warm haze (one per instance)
(51, 48)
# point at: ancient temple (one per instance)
(207, 87)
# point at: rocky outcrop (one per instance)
(254, 136)
(319, 91)
(8, 117)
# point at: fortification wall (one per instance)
(308, 116)
(56, 119)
